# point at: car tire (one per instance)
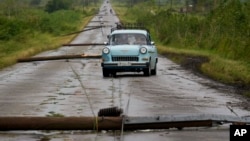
(105, 73)
(154, 71)
(114, 74)
(147, 71)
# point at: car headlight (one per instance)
(143, 50)
(105, 50)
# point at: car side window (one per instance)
(112, 40)
(148, 39)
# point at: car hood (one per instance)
(125, 50)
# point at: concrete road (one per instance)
(77, 88)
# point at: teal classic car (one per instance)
(129, 50)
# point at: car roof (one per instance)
(133, 31)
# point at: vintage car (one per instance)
(129, 50)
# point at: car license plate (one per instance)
(124, 64)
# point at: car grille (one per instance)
(125, 58)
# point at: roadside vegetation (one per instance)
(28, 27)
(216, 29)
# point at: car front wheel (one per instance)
(147, 71)
(105, 73)
(154, 71)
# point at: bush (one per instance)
(56, 23)
(10, 28)
(59, 22)
(229, 23)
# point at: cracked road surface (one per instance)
(77, 88)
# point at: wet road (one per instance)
(77, 88)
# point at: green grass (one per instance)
(227, 71)
(14, 50)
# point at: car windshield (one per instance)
(128, 38)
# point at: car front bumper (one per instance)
(125, 66)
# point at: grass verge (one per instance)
(39, 42)
(230, 72)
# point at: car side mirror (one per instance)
(152, 43)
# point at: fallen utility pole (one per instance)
(99, 21)
(115, 123)
(59, 123)
(85, 44)
(98, 26)
(59, 57)
(82, 30)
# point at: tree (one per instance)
(54, 5)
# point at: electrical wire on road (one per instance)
(121, 137)
(126, 112)
(78, 76)
(231, 109)
(84, 89)
(88, 98)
